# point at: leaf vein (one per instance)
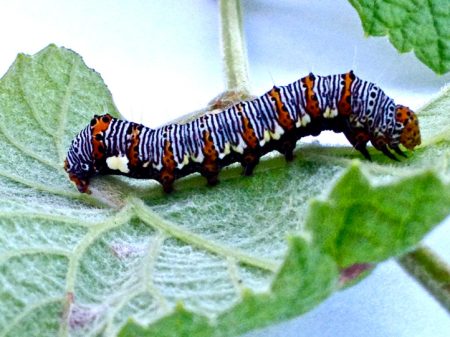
(152, 219)
(64, 110)
(20, 81)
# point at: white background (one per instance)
(161, 59)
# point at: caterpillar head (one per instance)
(79, 164)
(410, 134)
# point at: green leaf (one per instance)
(129, 260)
(420, 25)
(353, 201)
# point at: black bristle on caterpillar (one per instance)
(244, 132)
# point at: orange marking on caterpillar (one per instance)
(248, 134)
(283, 115)
(99, 124)
(133, 150)
(344, 105)
(209, 150)
(312, 103)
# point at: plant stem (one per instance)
(233, 46)
(433, 273)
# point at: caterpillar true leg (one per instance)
(359, 139)
(398, 151)
(249, 161)
(286, 145)
(384, 148)
(362, 147)
(210, 170)
(167, 179)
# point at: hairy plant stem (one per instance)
(433, 273)
(233, 46)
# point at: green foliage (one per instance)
(203, 261)
(337, 222)
(420, 25)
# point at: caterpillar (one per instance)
(244, 132)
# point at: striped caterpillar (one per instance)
(244, 132)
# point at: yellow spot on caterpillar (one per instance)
(330, 113)
(276, 134)
(199, 158)
(157, 167)
(118, 163)
(238, 148)
(306, 119)
(227, 148)
(327, 113)
(185, 160)
(226, 151)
